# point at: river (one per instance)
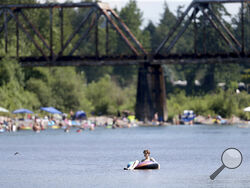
(187, 155)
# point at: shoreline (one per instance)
(37, 125)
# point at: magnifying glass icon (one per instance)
(231, 158)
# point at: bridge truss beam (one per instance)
(204, 7)
(89, 22)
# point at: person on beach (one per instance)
(114, 124)
(36, 127)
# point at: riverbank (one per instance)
(39, 124)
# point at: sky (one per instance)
(153, 9)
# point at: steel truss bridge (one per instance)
(61, 50)
(65, 56)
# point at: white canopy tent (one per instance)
(247, 109)
(3, 109)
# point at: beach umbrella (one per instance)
(247, 109)
(80, 114)
(51, 110)
(22, 111)
(3, 109)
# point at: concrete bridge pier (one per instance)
(151, 93)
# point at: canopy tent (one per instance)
(51, 110)
(80, 114)
(22, 111)
(3, 110)
(247, 109)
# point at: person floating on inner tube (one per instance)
(147, 158)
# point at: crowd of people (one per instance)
(38, 124)
(126, 120)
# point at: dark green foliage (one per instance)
(132, 17)
(107, 97)
(224, 103)
(237, 24)
(12, 93)
(167, 21)
(41, 89)
(10, 71)
(151, 30)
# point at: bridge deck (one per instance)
(220, 1)
(49, 5)
(136, 60)
(89, 4)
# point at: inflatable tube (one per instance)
(130, 163)
(147, 165)
(109, 126)
(26, 128)
(78, 130)
(55, 127)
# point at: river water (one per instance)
(187, 154)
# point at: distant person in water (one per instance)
(155, 120)
(147, 156)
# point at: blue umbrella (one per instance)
(22, 111)
(51, 110)
(80, 114)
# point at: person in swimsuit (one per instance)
(147, 156)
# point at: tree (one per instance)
(167, 21)
(12, 93)
(132, 17)
(237, 25)
(98, 93)
(151, 30)
(107, 97)
(41, 90)
(68, 90)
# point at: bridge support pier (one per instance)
(151, 93)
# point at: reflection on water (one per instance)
(188, 155)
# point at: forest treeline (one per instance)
(107, 89)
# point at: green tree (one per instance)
(237, 24)
(68, 90)
(167, 21)
(151, 30)
(12, 93)
(132, 17)
(98, 93)
(107, 97)
(41, 90)
(10, 70)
